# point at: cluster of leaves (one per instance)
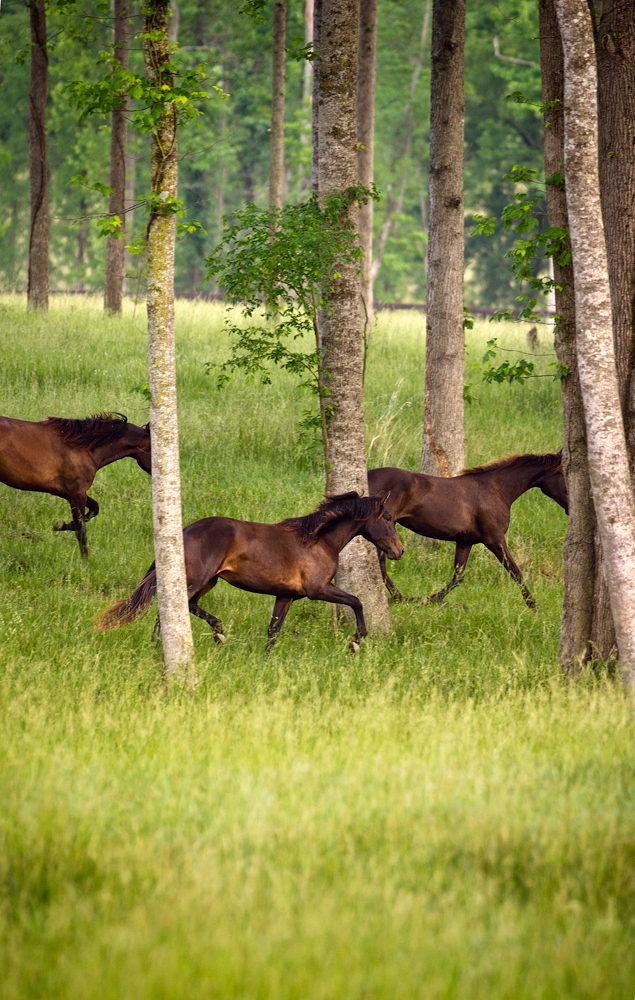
(282, 265)
(145, 101)
(517, 371)
(534, 243)
(117, 84)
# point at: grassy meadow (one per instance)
(438, 817)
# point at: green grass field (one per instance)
(439, 817)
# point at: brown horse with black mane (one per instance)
(467, 509)
(289, 560)
(62, 456)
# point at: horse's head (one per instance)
(142, 454)
(554, 486)
(380, 529)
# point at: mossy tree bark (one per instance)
(366, 73)
(342, 337)
(178, 649)
(276, 155)
(579, 548)
(443, 451)
(115, 249)
(38, 279)
(607, 453)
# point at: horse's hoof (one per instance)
(219, 638)
(353, 647)
(59, 526)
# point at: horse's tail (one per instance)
(131, 607)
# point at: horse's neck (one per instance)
(516, 481)
(341, 533)
(106, 454)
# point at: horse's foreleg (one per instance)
(280, 609)
(215, 624)
(504, 557)
(93, 511)
(78, 506)
(390, 586)
(461, 556)
(329, 592)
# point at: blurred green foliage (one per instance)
(225, 163)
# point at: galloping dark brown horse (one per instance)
(292, 559)
(467, 509)
(62, 457)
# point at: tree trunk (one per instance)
(307, 75)
(178, 649)
(444, 435)
(173, 28)
(608, 460)
(579, 551)
(615, 48)
(115, 248)
(128, 260)
(276, 158)
(38, 281)
(315, 111)
(409, 119)
(337, 170)
(366, 138)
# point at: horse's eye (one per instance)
(387, 516)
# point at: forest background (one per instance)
(226, 162)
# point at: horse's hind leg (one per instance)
(215, 624)
(461, 556)
(504, 556)
(93, 509)
(280, 609)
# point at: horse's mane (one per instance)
(333, 508)
(101, 428)
(548, 460)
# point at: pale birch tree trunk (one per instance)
(615, 47)
(38, 280)
(608, 460)
(337, 170)
(276, 157)
(178, 648)
(443, 451)
(115, 248)
(366, 71)
(579, 549)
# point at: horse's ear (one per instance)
(147, 427)
(383, 495)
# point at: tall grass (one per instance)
(439, 817)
